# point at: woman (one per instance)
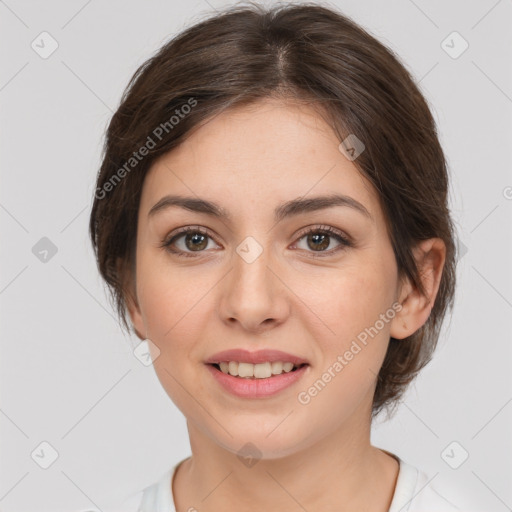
(271, 213)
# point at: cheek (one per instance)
(177, 311)
(176, 316)
(353, 298)
(358, 314)
(166, 293)
(174, 313)
(357, 309)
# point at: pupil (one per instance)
(325, 238)
(194, 237)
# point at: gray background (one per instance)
(68, 375)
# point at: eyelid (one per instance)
(183, 231)
(324, 228)
(344, 239)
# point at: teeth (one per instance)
(245, 370)
(233, 368)
(257, 371)
(262, 370)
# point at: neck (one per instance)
(339, 468)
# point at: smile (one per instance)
(247, 385)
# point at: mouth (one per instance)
(229, 371)
(256, 374)
(256, 381)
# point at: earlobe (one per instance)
(135, 314)
(399, 328)
(430, 256)
(130, 296)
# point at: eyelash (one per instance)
(324, 230)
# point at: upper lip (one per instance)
(258, 356)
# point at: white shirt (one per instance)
(413, 493)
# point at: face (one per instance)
(316, 281)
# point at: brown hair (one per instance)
(305, 52)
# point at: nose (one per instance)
(254, 297)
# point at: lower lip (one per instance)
(256, 388)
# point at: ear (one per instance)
(430, 257)
(135, 314)
(132, 304)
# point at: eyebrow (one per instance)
(287, 209)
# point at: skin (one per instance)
(249, 160)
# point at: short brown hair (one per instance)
(305, 52)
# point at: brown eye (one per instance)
(196, 241)
(318, 240)
(187, 241)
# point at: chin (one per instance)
(254, 442)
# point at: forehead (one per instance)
(258, 156)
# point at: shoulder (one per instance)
(156, 497)
(418, 492)
(131, 503)
(427, 496)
